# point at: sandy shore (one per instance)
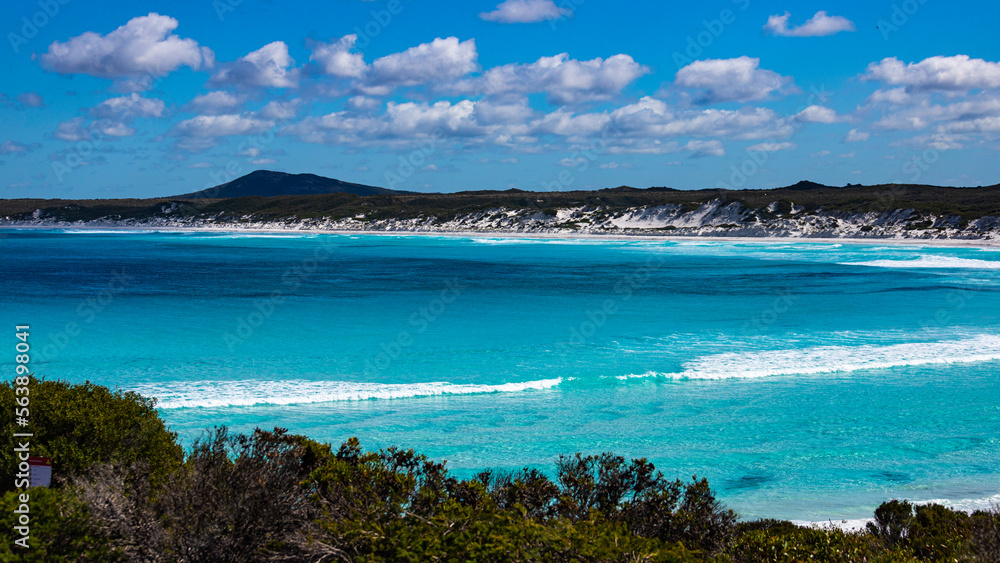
(971, 243)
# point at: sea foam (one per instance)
(831, 359)
(183, 394)
(931, 261)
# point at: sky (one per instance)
(158, 98)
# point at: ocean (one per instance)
(806, 380)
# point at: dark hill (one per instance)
(268, 183)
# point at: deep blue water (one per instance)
(805, 380)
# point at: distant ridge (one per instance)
(268, 183)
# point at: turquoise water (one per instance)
(804, 380)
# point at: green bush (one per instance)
(81, 425)
(60, 529)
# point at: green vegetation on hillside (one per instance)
(966, 203)
(124, 492)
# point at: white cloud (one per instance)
(281, 111)
(268, 67)
(362, 103)
(565, 80)
(646, 126)
(855, 136)
(260, 161)
(699, 148)
(896, 96)
(817, 114)
(495, 113)
(140, 50)
(731, 80)
(128, 107)
(409, 122)
(437, 61)
(937, 73)
(216, 102)
(820, 153)
(817, 26)
(525, 11)
(940, 141)
(336, 59)
(772, 147)
(922, 113)
(571, 162)
(221, 125)
(71, 130)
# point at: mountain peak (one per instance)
(270, 183)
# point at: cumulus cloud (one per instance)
(896, 96)
(72, 130)
(336, 59)
(955, 97)
(646, 126)
(525, 11)
(362, 103)
(214, 103)
(772, 147)
(127, 107)
(817, 114)
(565, 80)
(221, 125)
(439, 60)
(819, 25)
(699, 148)
(956, 73)
(268, 67)
(855, 136)
(731, 80)
(276, 110)
(140, 50)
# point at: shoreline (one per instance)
(612, 237)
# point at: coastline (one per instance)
(612, 237)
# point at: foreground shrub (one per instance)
(82, 425)
(61, 530)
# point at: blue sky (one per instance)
(147, 99)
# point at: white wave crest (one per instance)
(931, 261)
(182, 394)
(830, 359)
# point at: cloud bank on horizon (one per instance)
(511, 95)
